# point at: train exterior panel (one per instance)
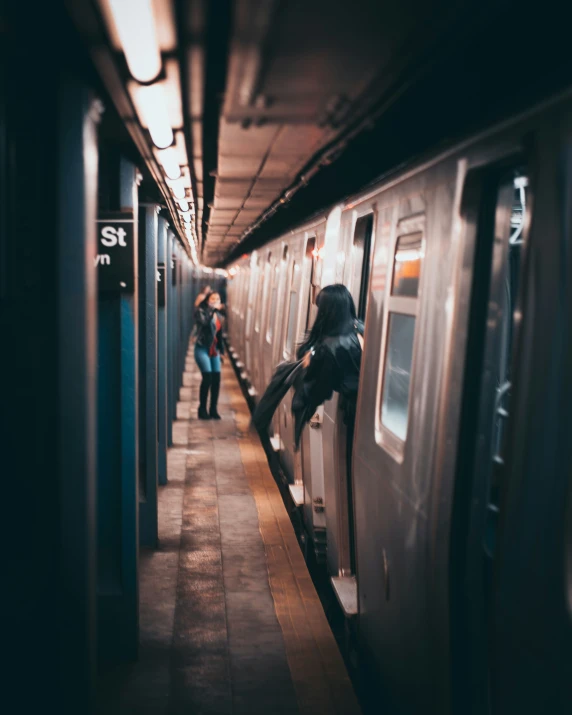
(458, 267)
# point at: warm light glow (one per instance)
(136, 29)
(406, 256)
(168, 159)
(151, 101)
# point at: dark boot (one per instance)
(203, 395)
(215, 389)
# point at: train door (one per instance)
(486, 392)
(250, 310)
(276, 328)
(509, 630)
(268, 324)
(311, 483)
(259, 372)
(359, 286)
(338, 450)
(292, 302)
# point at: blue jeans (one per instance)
(204, 361)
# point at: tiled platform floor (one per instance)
(230, 620)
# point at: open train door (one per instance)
(531, 623)
(511, 572)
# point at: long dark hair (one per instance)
(205, 302)
(336, 316)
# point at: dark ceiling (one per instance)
(282, 107)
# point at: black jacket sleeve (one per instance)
(319, 383)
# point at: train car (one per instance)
(457, 500)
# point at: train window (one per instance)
(397, 377)
(399, 338)
(273, 305)
(360, 262)
(253, 291)
(263, 296)
(309, 280)
(407, 265)
(292, 312)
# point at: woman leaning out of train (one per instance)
(209, 349)
(331, 355)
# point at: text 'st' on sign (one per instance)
(115, 260)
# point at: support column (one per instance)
(162, 309)
(148, 439)
(118, 484)
(171, 405)
(48, 194)
(78, 118)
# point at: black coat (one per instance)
(282, 380)
(205, 329)
(334, 366)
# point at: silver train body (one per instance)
(449, 546)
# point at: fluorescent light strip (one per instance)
(168, 159)
(135, 26)
(178, 190)
(151, 101)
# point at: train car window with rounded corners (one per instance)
(397, 377)
(392, 418)
(273, 304)
(292, 312)
(407, 265)
(260, 319)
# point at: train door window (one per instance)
(292, 312)
(361, 249)
(401, 312)
(309, 280)
(252, 296)
(273, 304)
(244, 291)
(274, 301)
(260, 318)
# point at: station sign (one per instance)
(161, 284)
(115, 260)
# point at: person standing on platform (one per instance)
(209, 350)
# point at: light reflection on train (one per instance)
(434, 258)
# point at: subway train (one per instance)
(449, 545)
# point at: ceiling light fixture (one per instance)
(178, 189)
(168, 159)
(135, 26)
(151, 102)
